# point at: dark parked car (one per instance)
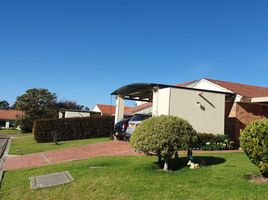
(121, 127)
(134, 122)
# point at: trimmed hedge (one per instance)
(48, 130)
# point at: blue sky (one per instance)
(83, 50)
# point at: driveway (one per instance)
(110, 148)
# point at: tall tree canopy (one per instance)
(4, 105)
(66, 104)
(36, 103)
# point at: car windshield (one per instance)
(139, 117)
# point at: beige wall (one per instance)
(70, 114)
(208, 116)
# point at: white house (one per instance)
(211, 106)
(105, 109)
(8, 117)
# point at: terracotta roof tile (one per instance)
(242, 89)
(110, 109)
(10, 114)
(140, 107)
(186, 83)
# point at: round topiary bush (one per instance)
(163, 136)
(254, 141)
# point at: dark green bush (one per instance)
(46, 130)
(254, 141)
(163, 136)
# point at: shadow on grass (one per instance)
(179, 163)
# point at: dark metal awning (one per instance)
(138, 91)
(144, 91)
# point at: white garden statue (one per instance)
(193, 165)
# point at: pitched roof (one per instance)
(242, 89)
(140, 107)
(110, 109)
(10, 114)
(186, 83)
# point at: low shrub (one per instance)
(49, 130)
(209, 141)
(203, 138)
(254, 141)
(163, 136)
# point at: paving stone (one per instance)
(109, 148)
(50, 180)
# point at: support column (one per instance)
(7, 124)
(155, 102)
(119, 110)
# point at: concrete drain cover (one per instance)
(97, 167)
(50, 180)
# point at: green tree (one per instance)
(4, 105)
(163, 136)
(66, 104)
(36, 103)
(254, 141)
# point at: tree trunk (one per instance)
(159, 159)
(176, 155)
(55, 138)
(166, 165)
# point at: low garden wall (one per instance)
(48, 130)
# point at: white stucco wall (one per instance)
(206, 85)
(207, 116)
(60, 115)
(69, 114)
(7, 124)
(96, 109)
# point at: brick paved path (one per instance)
(110, 148)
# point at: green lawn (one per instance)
(137, 178)
(27, 144)
(9, 131)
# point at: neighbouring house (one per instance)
(105, 109)
(211, 106)
(68, 113)
(8, 117)
(144, 108)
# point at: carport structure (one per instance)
(204, 109)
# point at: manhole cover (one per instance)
(18, 150)
(50, 180)
(97, 167)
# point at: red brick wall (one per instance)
(244, 114)
(248, 112)
(230, 122)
